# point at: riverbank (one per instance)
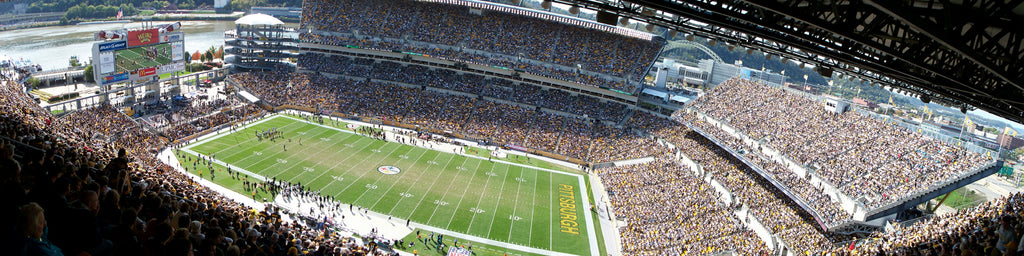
(155, 17)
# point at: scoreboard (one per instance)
(137, 55)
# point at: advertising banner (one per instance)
(179, 66)
(143, 37)
(110, 46)
(106, 62)
(177, 51)
(514, 147)
(172, 37)
(458, 251)
(147, 72)
(115, 78)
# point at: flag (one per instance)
(119, 13)
(1010, 131)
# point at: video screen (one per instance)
(143, 57)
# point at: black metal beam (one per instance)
(859, 38)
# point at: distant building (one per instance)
(836, 105)
(670, 72)
(1009, 142)
(803, 88)
(278, 12)
(721, 71)
(864, 104)
(19, 9)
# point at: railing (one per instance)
(771, 179)
(934, 186)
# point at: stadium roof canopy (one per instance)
(258, 19)
(959, 53)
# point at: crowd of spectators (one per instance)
(994, 228)
(864, 157)
(492, 120)
(574, 136)
(468, 83)
(779, 213)
(94, 185)
(492, 38)
(89, 183)
(697, 224)
(825, 207)
(237, 113)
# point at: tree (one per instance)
(212, 52)
(220, 52)
(88, 74)
(34, 82)
(1016, 152)
(208, 56)
(197, 56)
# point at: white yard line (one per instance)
(393, 184)
(515, 206)
(533, 211)
(408, 189)
(502, 192)
(551, 198)
(446, 190)
(491, 242)
(436, 177)
(585, 196)
(333, 144)
(235, 145)
(364, 175)
(463, 197)
(479, 200)
(302, 149)
(346, 171)
(336, 165)
(594, 250)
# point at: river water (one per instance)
(51, 47)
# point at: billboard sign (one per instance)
(106, 62)
(115, 78)
(177, 66)
(115, 45)
(177, 51)
(171, 37)
(147, 72)
(143, 37)
(140, 55)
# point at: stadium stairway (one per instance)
(626, 117)
(22, 151)
(761, 172)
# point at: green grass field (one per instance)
(467, 195)
(963, 198)
(135, 58)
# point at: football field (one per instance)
(507, 202)
(136, 58)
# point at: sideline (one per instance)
(364, 228)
